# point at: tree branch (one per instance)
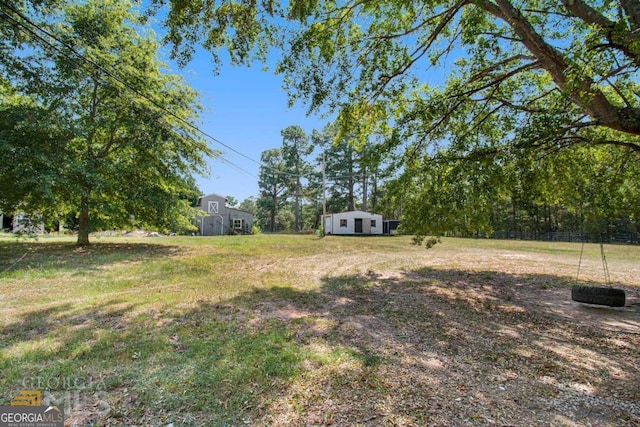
(497, 80)
(422, 50)
(618, 38)
(522, 108)
(410, 30)
(582, 92)
(580, 9)
(500, 64)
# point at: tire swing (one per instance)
(598, 295)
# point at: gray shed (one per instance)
(218, 219)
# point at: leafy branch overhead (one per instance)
(467, 100)
(508, 65)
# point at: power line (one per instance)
(233, 165)
(34, 34)
(113, 76)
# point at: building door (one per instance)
(358, 225)
(7, 222)
(366, 226)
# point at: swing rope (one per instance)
(580, 262)
(605, 265)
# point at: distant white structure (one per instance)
(353, 222)
(22, 223)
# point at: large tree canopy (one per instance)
(496, 82)
(92, 124)
(569, 66)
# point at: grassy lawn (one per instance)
(299, 330)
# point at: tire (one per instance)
(598, 295)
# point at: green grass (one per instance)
(157, 318)
(195, 331)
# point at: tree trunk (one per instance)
(352, 203)
(274, 204)
(83, 222)
(374, 193)
(272, 219)
(514, 216)
(364, 188)
(297, 204)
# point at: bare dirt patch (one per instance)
(464, 339)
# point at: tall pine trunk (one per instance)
(297, 201)
(274, 204)
(364, 188)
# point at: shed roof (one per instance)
(354, 212)
(213, 194)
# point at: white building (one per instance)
(22, 223)
(352, 222)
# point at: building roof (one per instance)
(213, 194)
(354, 212)
(199, 202)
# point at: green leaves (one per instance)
(273, 182)
(114, 135)
(242, 26)
(463, 97)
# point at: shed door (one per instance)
(366, 226)
(358, 225)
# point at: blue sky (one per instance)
(245, 108)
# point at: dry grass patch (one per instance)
(296, 330)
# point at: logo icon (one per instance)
(28, 398)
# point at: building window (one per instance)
(212, 207)
(373, 222)
(237, 224)
(343, 223)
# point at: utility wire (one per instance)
(128, 86)
(49, 44)
(110, 74)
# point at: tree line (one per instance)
(461, 116)
(592, 190)
(309, 170)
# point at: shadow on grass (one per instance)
(485, 346)
(406, 348)
(26, 255)
(115, 364)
